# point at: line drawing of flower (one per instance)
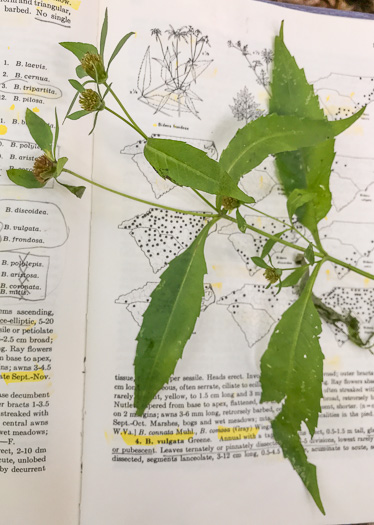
(181, 58)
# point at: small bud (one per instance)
(229, 203)
(43, 169)
(91, 101)
(271, 275)
(94, 67)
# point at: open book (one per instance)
(76, 276)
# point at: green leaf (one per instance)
(293, 278)
(57, 132)
(78, 191)
(118, 47)
(310, 167)
(242, 225)
(76, 94)
(292, 371)
(94, 123)
(309, 254)
(272, 134)
(169, 321)
(297, 199)
(260, 262)
(78, 114)
(271, 242)
(80, 72)
(79, 49)
(40, 132)
(77, 85)
(24, 178)
(188, 166)
(104, 32)
(60, 165)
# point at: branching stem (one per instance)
(156, 205)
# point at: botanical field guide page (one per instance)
(44, 248)
(76, 276)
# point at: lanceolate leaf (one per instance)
(104, 32)
(40, 132)
(297, 199)
(169, 321)
(189, 166)
(79, 49)
(272, 134)
(309, 168)
(78, 191)
(292, 371)
(242, 225)
(309, 254)
(78, 114)
(118, 47)
(293, 278)
(268, 246)
(60, 165)
(24, 178)
(57, 132)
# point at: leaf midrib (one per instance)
(259, 141)
(149, 375)
(191, 168)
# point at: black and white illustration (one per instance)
(170, 70)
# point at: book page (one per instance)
(44, 236)
(204, 451)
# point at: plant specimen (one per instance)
(300, 137)
(182, 60)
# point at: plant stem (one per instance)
(280, 221)
(134, 124)
(119, 116)
(204, 199)
(273, 237)
(349, 267)
(198, 214)
(326, 257)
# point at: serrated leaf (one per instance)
(297, 199)
(169, 321)
(292, 371)
(104, 32)
(270, 243)
(77, 85)
(188, 166)
(79, 49)
(242, 225)
(78, 114)
(310, 167)
(57, 132)
(309, 254)
(260, 262)
(40, 132)
(293, 278)
(60, 165)
(24, 178)
(271, 134)
(78, 191)
(118, 47)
